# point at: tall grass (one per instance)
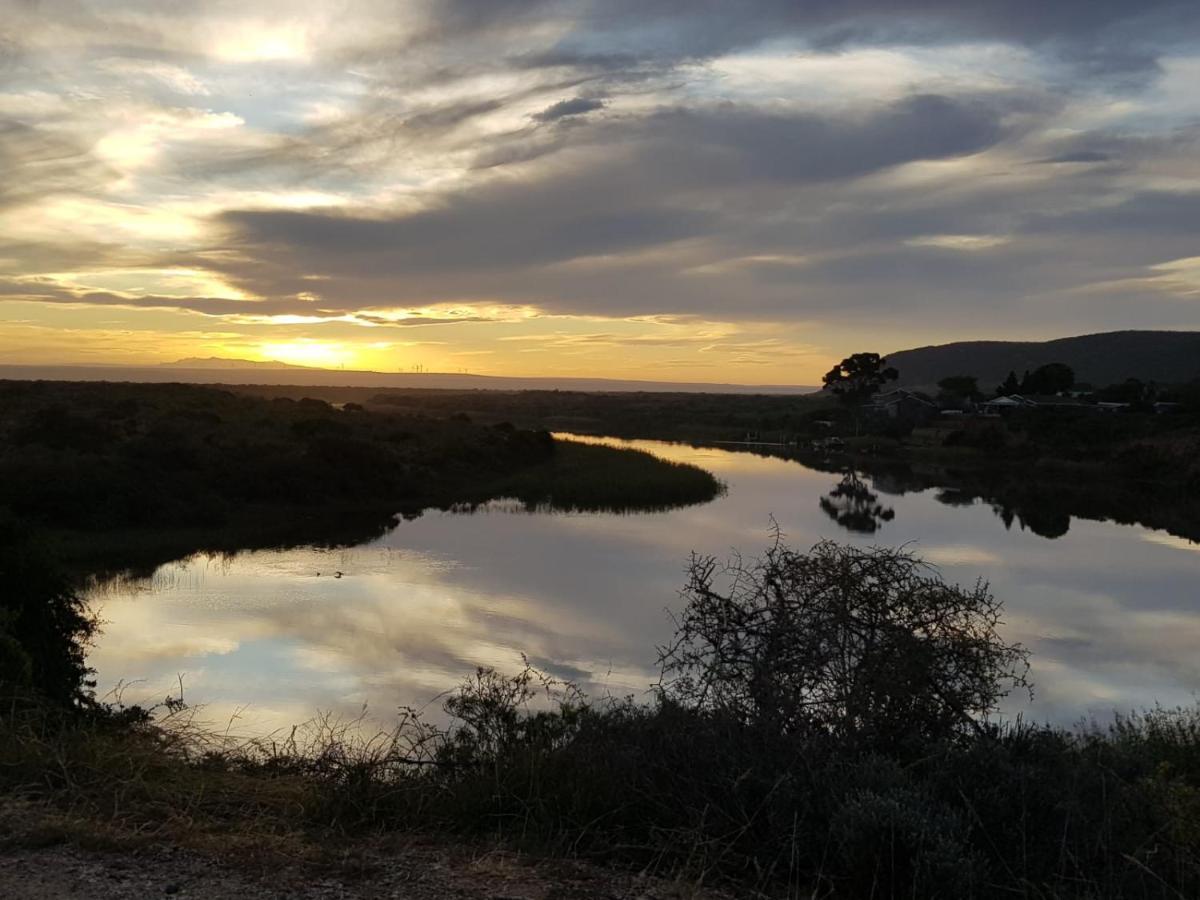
(1017, 810)
(583, 476)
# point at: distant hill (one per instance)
(1100, 359)
(220, 362)
(240, 372)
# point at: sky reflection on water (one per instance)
(1111, 613)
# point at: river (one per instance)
(266, 639)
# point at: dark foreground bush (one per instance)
(45, 626)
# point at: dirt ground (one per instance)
(41, 863)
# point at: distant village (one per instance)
(871, 407)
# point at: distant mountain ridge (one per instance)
(221, 362)
(1168, 357)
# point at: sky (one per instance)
(684, 190)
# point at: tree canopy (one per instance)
(964, 386)
(1052, 378)
(859, 376)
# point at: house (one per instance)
(1056, 401)
(902, 404)
(1006, 404)
(1062, 402)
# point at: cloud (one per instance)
(671, 31)
(866, 165)
(1078, 156)
(576, 106)
(36, 163)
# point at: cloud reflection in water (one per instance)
(1110, 612)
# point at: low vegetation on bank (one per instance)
(822, 728)
(1040, 465)
(168, 469)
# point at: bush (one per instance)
(45, 627)
(869, 645)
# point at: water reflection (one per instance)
(1111, 613)
(853, 506)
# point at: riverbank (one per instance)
(599, 801)
(1042, 493)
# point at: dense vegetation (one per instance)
(1040, 466)
(661, 416)
(820, 730)
(110, 460)
(1052, 433)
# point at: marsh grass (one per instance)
(587, 477)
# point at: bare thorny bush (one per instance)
(868, 645)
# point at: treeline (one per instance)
(661, 416)
(1146, 447)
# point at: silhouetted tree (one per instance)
(963, 386)
(1052, 378)
(858, 377)
(1010, 385)
(855, 507)
(1132, 390)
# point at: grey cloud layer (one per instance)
(1091, 31)
(554, 152)
(633, 188)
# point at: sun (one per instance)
(320, 354)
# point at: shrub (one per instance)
(866, 644)
(44, 624)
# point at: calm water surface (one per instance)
(266, 639)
